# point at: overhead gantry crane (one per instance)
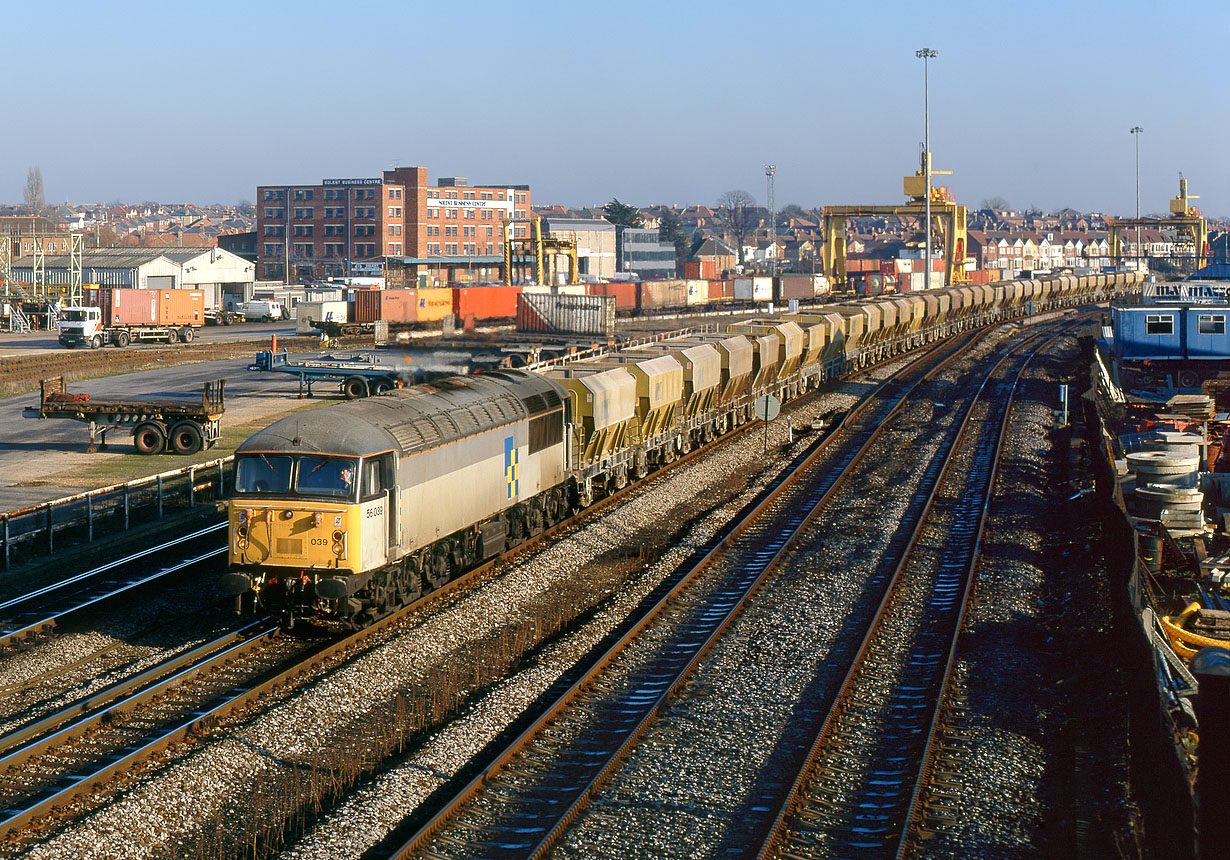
(1187, 221)
(545, 250)
(948, 222)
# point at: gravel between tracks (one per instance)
(159, 815)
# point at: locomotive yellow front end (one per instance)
(304, 529)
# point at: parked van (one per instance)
(265, 311)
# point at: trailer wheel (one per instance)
(96, 342)
(121, 339)
(187, 334)
(172, 336)
(380, 386)
(149, 438)
(355, 388)
(186, 438)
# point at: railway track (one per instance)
(39, 613)
(520, 803)
(859, 790)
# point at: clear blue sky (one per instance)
(671, 102)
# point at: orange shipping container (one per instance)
(625, 294)
(485, 303)
(433, 305)
(397, 306)
(123, 307)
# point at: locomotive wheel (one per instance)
(186, 438)
(409, 582)
(355, 388)
(440, 568)
(148, 438)
(1188, 379)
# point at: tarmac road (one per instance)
(38, 457)
(34, 342)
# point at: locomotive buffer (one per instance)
(180, 426)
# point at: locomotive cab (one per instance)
(305, 526)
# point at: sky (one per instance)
(651, 102)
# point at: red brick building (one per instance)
(448, 231)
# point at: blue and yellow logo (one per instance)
(511, 474)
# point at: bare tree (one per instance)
(995, 203)
(35, 201)
(737, 212)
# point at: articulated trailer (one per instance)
(358, 374)
(158, 425)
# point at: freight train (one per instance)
(346, 513)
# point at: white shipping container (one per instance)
(823, 287)
(309, 312)
(762, 289)
(698, 292)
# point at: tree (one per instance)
(995, 203)
(621, 214)
(35, 201)
(794, 210)
(737, 212)
(670, 229)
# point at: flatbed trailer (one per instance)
(358, 374)
(179, 426)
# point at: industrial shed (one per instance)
(111, 267)
(225, 278)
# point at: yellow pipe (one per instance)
(1185, 642)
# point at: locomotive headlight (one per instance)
(241, 531)
(317, 519)
(286, 515)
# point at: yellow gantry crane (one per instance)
(545, 250)
(948, 217)
(1186, 220)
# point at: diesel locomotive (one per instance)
(348, 512)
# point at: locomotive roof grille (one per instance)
(412, 419)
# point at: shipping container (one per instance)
(142, 307)
(433, 305)
(543, 313)
(801, 287)
(485, 303)
(698, 292)
(395, 306)
(754, 289)
(721, 291)
(625, 294)
(368, 305)
(310, 312)
(663, 295)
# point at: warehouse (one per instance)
(226, 279)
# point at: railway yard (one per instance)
(881, 626)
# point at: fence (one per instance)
(37, 531)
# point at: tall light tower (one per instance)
(1136, 130)
(770, 171)
(927, 54)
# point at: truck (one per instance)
(120, 316)
(157, 424)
